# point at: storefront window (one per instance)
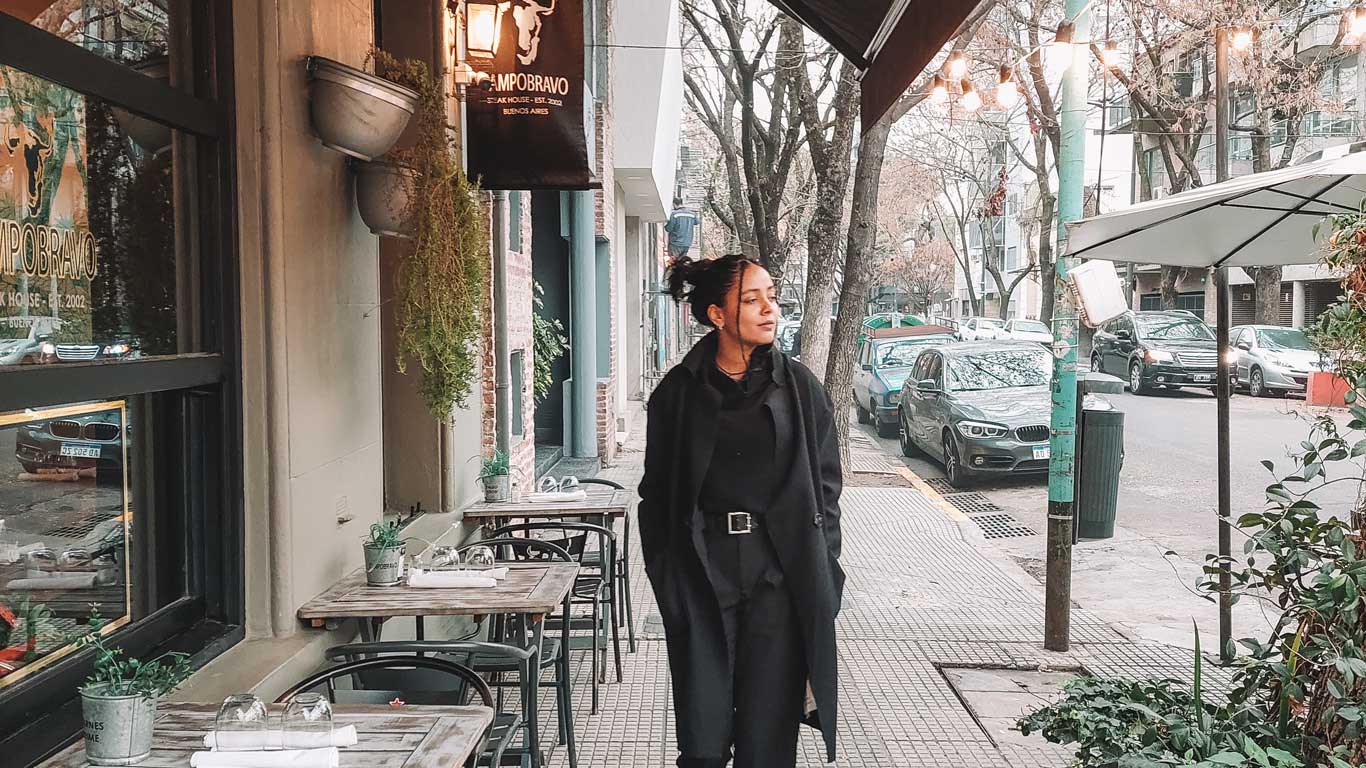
(89, 258)
(64, 543)
(131, 32)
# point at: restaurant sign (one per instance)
(526, 125)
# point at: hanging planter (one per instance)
(355, 112)
(382, 195)
(146, 133)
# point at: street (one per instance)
(1167, 503)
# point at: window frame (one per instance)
(194, 451)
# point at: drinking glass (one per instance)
(307, 722)
(569, 484)
(479, 557)
(242, 723)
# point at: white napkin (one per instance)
(557, 497)
(274, 739)
(326, 757)
(448, 579)
(72, 581)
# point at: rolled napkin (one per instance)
(557, 497)
(73, 581)
(326, 757)
(448, 579)
(274, 739)
(498, 573)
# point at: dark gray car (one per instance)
(980, 408)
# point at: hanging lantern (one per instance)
(483, 28)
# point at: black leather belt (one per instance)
(734, 523)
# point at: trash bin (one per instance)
(1100, 456)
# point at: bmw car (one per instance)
(884, 361)
(88, 441)
(980, 409)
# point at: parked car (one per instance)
(980, 328)
(1027, 330)
(979, 408)
(1272, 359)
(22, 341)
(884, 361)
(93, 440)
(1157, 350)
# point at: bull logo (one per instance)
(36, 150)
(529, 15)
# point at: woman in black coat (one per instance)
(740, 530)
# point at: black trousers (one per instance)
(762, 688)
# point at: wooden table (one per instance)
(602, 501)
(531, 589)
(530, 592)
(401, 737)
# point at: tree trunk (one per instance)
(858, 258)
(1268, 294)
(1170, 277)
(1048, 211)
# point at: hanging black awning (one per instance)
(890, 40)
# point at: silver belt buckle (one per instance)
(738, 523)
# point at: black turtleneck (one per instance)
(744, 463)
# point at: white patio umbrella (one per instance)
(1264, 219)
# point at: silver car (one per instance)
(1272, 359)
(24, 341)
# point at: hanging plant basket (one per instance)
(146, 133)
(382, 194)
(355, 112)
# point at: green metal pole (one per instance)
(583, 328)
(1062, 464)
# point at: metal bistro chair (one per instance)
(595, 587)
(623, 572)
(554, 651)
(462, 681)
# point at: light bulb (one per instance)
(939, 93)
(971, 99)
(1241, 38)
(1109, 55)
(1356, 22)
(1007, 92)
(958, 66)
(1062, 41)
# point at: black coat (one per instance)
(803, 522)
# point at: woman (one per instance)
(739, 528)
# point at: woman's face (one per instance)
(751, 312)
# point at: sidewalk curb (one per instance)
(934, 496)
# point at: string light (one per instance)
(1109, 55)
(939, 92)
(1356, 22)
(1062, 40)
(957, 66)
(1241, 38)
(971, 100)
(1007, 92)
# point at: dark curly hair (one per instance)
(706, 282)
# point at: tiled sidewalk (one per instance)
(924, 595)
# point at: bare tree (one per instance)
(923, 272)
(746, 53)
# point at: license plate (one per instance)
(1042, 451)
(78, 451)
(1201, 378)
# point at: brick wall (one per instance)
(605, 213)
(523, 452)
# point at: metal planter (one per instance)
(147, 134)
(495, 488)
(118, 729)
(382, 190)
(383, 566)
(354, 112)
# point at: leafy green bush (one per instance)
(116, 675)
(548, 345)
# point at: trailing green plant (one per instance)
(117, 675)
(495, 465)
(441, 284)
(548, 344)
(385, 536)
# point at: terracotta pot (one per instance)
(382, 197)
(355, 112)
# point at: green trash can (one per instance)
(1100, 458)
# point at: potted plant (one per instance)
(441, 296)
(493, 473)
(119, 699)
(384, 555)
(355, 112)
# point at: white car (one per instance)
(1028, 330)
(981, 329)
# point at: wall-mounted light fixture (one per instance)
(483, 27)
